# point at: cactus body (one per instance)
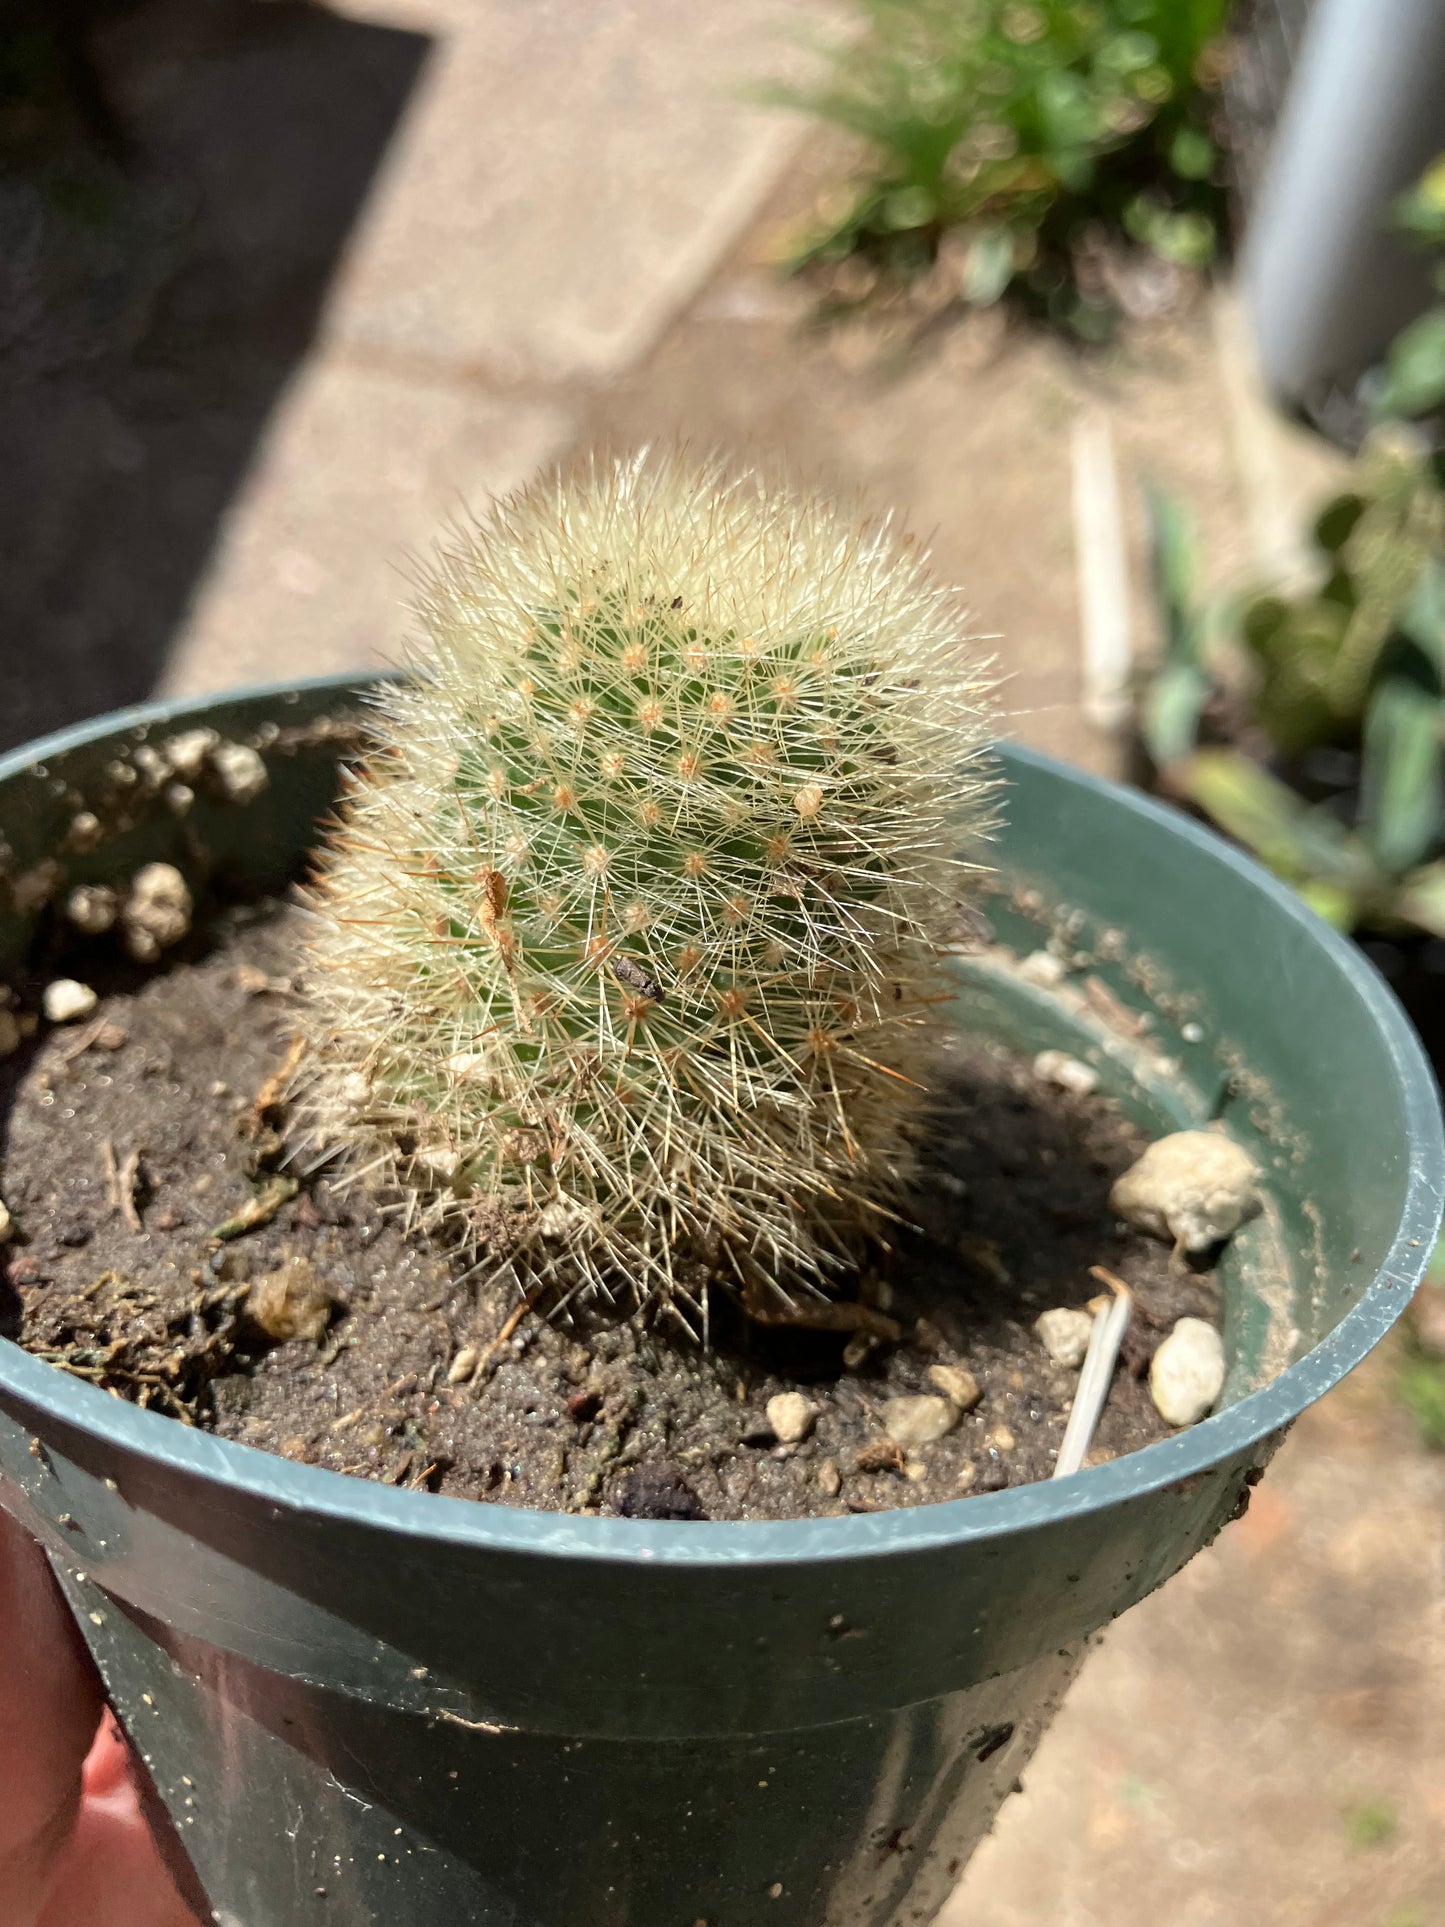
(627, 948)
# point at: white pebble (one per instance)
(920, 1420)
(152, 766)
(463, 1365)
(439, 1164)
(463, 1065)
(65, 1000)
(1042, 967)
(92, 907)
(157, 912)
(1064, 1335)
(1194, 1188)
(178, 798)
(957, 1384)
(187, 752)
(1057, 1067)
(791, 1417)
(559, 1220)
(1187, 1374)
(85, 830)
(240, 772)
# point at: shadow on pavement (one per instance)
(177, 184)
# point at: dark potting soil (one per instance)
(163, 1250)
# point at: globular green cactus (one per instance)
(627, 952)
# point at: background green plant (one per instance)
(1354, 664)
(1028, 124)
(1412, 381)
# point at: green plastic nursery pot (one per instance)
(366, 1705)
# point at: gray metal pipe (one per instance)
(1327, 284)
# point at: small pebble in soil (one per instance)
(7, 1224)
(239, 772)
(157, 911)
(1042, 967)
(290, 1303)
(1194, 1187)
(1187, 1374)
(830, 1479)
(92, 908)
(1064, 1335)
(66, 1000)
(1001, 1439)
(1057, 1067)
(791, 1417)
(856, 1352)
(957, 1384)
(919, 1420)
(463, 1365)
(187, 751)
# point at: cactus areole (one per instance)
(628, 947)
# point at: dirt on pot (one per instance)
(164, 1249)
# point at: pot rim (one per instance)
(1230, 1435)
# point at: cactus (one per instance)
(627, 954)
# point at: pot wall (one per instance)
(656, 1724)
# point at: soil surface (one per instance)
(164, 1249)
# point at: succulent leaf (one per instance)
(1400, 804)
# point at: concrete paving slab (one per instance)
(569, 172)
(358, 473)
